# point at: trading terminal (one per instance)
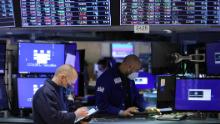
(177, 42)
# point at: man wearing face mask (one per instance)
(49, 102)
(116, 93)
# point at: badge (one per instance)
(117, 80)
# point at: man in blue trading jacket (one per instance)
(49, 103)
(116, 93)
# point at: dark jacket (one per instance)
(49, 105)
(111, 93)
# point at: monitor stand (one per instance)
(219, 116)
(4, 114)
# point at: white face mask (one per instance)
(133, 75)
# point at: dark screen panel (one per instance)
(3, 94)
(7, 13)
(2, 56)
(169, 12)
(65, 13)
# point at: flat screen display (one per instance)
(38, 13)
(7, 13)
(145, 81)
(175, 12)
(213, 58)
(197, 95)
(121, 50)
(27, 87)
(40, 58)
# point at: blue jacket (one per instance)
(111, 93)
(49, 105)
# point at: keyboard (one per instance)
(171, 117)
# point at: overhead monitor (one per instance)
(37, 13)
(145, 81)
(197, 95)
(40, 58)
(169, 12)
(213, 58)
(121, 50)
(7, 13)
(2, 56)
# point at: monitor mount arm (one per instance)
(192, 57)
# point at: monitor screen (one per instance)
(145, 81)
(166, 91)
(197, 95)
(2, 56)
(7, 13)
(121, 50)
(134, 12)
(37, 13)
(3, 95)
(26, 88)
(40, 58)
(213, 58)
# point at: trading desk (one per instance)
(118, 121)
(151, 121)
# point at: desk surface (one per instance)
(151, 121)
(119, 121)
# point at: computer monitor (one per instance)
(121, 50)
(40, 58)
(3, 95)
(26, 88)
(166, 91)
(213, 58)
(197, 95)
(2, 56)
(145, 81)
(162, 61)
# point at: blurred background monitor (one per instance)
(162, 61)
(166, 91)
(197, 95)
(121, 50)
(40, 58)
(145, 81)
(213, 58)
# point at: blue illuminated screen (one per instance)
(213, 58)
(27, 87)
(145, 81)
(197, 94)
(40, 58)
(121, 50)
